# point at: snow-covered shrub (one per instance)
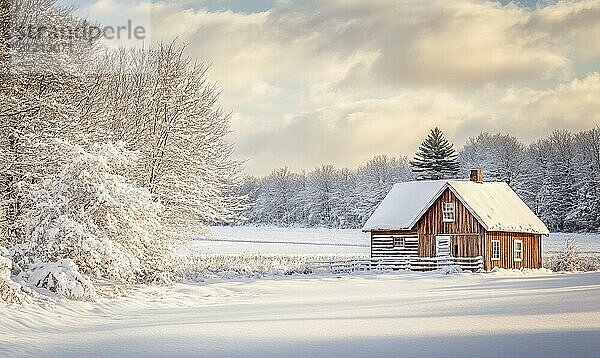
(591, 262)
(588, 261)
(62, 278)
(450, 270)
(568, 259)
(91, 213)
(10, 292)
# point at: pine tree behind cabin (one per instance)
(436, 158)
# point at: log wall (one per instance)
(382, 243)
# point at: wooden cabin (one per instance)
(460, 219)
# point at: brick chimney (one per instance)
(476, 176)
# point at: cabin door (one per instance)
(442, 246)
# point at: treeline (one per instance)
(558, 177)
(326, 196)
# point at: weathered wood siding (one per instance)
(432, 220)
(466, 233)
(532, 250)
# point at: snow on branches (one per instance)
(98, 218)
(42, 89)
(324, 197)
(158, 101)
(65, 197)
(9, 290)
(569, 259)
(62, 278)
(436, 158)
(557, 176)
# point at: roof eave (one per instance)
(385, 229)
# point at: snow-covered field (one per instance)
(267, 240)
(279, 241)
(398, 315)
(587, 243)
(506, 313)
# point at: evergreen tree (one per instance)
(436, 158)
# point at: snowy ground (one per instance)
(401, 314)
(272, 240)
(395, 314)
(277, 241)
(588, 243)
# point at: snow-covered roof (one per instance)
(495, 205)
(405, 204)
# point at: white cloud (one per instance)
(338, 81)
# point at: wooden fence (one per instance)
(408, 263)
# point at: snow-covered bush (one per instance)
(588, 261)
(450, 270)
(10, 292)
(568, 259)
(571, 259)
(94, 215)
(591, 262)
(62, 278)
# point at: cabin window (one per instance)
(518, 250)
(495, 250)
(398, 242)
(448, 212)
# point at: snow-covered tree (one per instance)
(585, 214)
(41, 83)
(279, 202)
(161, 104)
(250, 188)
(321, 196)
(502, 157)
(436, 157)
(10, 291)
(557, 176)
(344, 212)
(554, 158)
(91, 214)
(374, 180)
(326, 196)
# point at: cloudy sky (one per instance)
(314, 82)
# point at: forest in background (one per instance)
(557, 176)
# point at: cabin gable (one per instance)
(432, 221)
(465, 231)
